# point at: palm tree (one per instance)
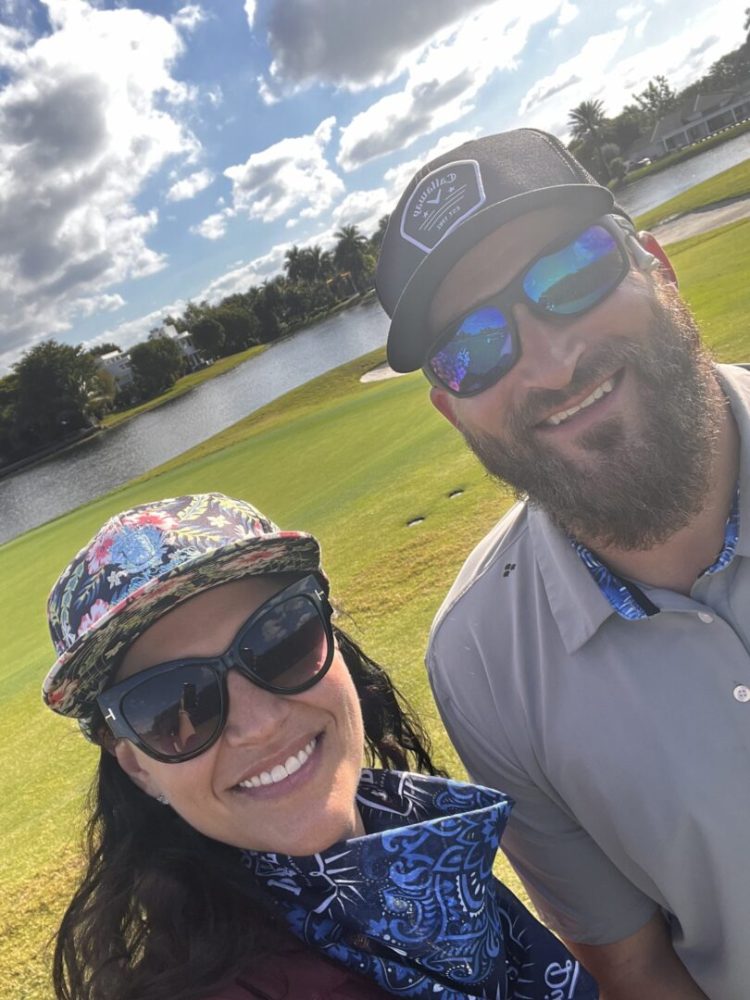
(376, 239)
(293, 262)
(350, 254)
(588, 124)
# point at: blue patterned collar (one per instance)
(626, 598)
(413, 904)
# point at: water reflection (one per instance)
(36, 495)
(649, 192)
(99, 465)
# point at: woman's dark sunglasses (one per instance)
(567, 279)
(177, 710)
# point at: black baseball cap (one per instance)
(456, 200)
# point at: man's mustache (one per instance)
(593, 367)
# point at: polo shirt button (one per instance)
(741, 693)
(705, 617)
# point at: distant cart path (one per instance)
(701, 220)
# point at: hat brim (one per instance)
(82, 672)
(409, 335)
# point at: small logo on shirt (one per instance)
(509, 567)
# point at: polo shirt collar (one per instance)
(736, 384)
(578, 603)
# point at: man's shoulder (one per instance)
(497, 553)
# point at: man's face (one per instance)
(607, 419)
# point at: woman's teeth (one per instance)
(281, 771)
(601, 390)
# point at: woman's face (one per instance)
(305, 812)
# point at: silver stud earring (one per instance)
(161, 797)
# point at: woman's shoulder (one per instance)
(299, 974)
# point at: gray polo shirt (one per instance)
(625, 744)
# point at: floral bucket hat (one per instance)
(141, 564)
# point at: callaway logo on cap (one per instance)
(440, 202)
(456, 200)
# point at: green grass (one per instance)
(351, 462)
(731, 183)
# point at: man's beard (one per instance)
(637, 489)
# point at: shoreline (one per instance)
(39, 458)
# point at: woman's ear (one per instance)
(131, 764)
(651, 245)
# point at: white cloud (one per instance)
(568, 13)
(266, 93)
(102, 303)
(640, 28)
(189, 186)
(287, 176)
(213, 227)
(352, 44)
(250, 6)
(189, 17)
(398, 177)
(362, 209)
(630, 12)
(82, 126)
(590, 64)
(444, 82)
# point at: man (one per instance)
(591, 659)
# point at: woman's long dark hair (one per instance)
(164, 913)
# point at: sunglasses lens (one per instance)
(479, 352)
(578, 276)
(177, 712)
(287, 647)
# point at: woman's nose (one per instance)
(254, 713)
(550, 349)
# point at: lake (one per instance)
(35, 495)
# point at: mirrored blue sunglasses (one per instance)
(567, 279)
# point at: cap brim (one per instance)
(81, 673)
(409, 335)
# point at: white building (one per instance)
(699, 118)
(117, 363)
(193, 357)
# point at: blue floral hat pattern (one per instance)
(141, 564)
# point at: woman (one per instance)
(236, 847)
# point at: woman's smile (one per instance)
(283, 773)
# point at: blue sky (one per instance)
(157, 152)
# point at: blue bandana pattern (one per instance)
(413, 904)
(622, 596)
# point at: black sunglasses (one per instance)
(175, 711)
(567, 279)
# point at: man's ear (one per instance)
(444, 404)
(651, 245)
(129, 761)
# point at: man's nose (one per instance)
(254, 714)
(550, 349)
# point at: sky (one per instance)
(159, 152)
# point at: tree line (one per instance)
(57, 392)
(599, 142)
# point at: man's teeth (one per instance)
(280, 771)
(601, 390)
